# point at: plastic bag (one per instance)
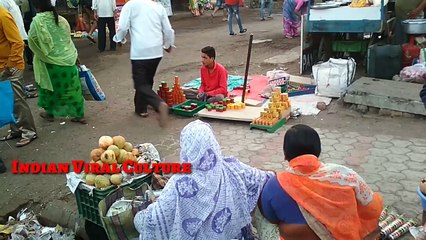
(90, 87)
(277, 77)
(334, 76)
(415, 73)
(419, 233)
(6, 103)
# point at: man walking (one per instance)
(270, 4)
(150, 33)
(104, 11)
(12, 68)
(233, 7)
(28, 12)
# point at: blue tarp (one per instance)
(233, 82)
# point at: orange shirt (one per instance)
(11, 43)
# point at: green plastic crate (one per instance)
(179, 111)
(270, 129)
(350, 46)
(88, 205)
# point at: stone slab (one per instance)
(387, 94)
(288, 57)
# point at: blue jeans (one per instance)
(262, 7)
(231, 11)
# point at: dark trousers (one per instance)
(102, 24)
(143, 72)
(28, 54)
(27, 51)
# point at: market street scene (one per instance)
(298, 119)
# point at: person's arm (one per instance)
(416, 12)
(201, 89)
(298, 8)
(223, 84)
(168, 32)
(123, 24)
(114, 6)
(14, 38)
(265, 205)
(95, 8)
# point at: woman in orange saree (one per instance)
(315, 200)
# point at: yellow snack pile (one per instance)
(279, 103)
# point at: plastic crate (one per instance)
(270, 129)
(88, 205)
(308, 89)
(350, 46)
(179, 111)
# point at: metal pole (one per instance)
(247, 67)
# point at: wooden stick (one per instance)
(247, 68)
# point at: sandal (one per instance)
(31, 94)
(144, 115)
(79, 120)
(9, 136)
(25, 141)
(92, 39)
(47, 116)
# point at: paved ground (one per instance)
(388, 152)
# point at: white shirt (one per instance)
(104, 8)
(13, 8)
(149, 27)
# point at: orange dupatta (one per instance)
(335, 195)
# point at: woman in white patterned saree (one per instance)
(215, 201)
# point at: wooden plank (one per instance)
(245, 115)
(249, 102)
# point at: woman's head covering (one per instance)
(213, 202)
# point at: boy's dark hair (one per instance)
(300, 140)
(209, 51)
(46, 6)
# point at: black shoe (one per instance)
(2, 167)
(243, 31)
(232, 34)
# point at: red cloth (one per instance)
(232, 2)
(216, 82)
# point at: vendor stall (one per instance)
(341, 27)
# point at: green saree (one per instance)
(55, 69)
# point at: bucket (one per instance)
(422, 198)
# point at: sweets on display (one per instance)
(279, 103)
(172, 96)
(225, 104)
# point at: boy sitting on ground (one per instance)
(214, 79)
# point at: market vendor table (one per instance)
(244, 115)
(343, 27)
(346, 19)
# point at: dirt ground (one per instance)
(63, 142)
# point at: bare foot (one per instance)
(163, 110)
